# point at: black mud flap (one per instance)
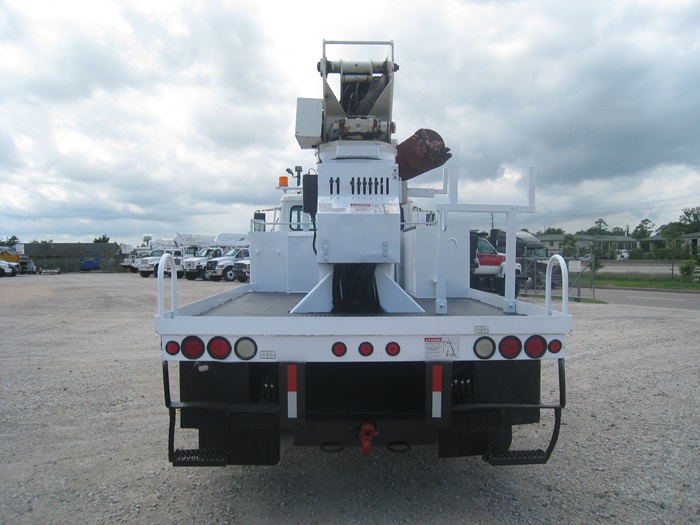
(243, 439)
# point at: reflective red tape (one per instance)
(437, 378)
(291, 378)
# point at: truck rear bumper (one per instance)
(465, 408)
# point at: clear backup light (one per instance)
(510, 347)
(484, 348)
(245, 348)
(192, 347)
(535, 346)
(339, 349)
(555, 346)
(172, 347)
(219, 347)
(366, 349)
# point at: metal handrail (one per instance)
(165, 260)
(564, 284)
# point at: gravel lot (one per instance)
(83, 428)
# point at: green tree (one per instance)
(10, 241)
(672, 238)
(103, 239)
(568, 245)
(690, 219)
(618, 231)
(643, 229)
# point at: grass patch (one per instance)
(639, 280)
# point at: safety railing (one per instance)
(166, 260)
(564, 285)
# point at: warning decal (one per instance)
(441, 347)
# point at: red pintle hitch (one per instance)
(367, 434)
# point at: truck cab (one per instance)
(196, 266)
(148, 265)
(219, 268)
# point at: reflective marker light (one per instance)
(510, 347)
(366, 349)
(339, 349)
(484, 348)
(245, 348)
(393, 349)
(172, 347)
(192, 347)
(219, 347)
(535, 346)
(555, 346)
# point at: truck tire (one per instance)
(204, 276)
(216, 278)
(228, 274)
(190, 276)
(180, 274)
(145, 274)
(243, 279)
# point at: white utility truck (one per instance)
(359, 326)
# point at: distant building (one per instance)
(606, 244)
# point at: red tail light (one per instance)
(366, 349)
(219, 347)
(192, 347)
(510, 347)
(393, 349)
(339, 349)
(172, 347)
(555, 346)
(535, 346)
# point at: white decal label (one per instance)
(441, 347)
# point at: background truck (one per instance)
(196, 266)
(149, 264)
(222, 267)
(359, 326)
(88, 263)
(10, 256)
(531, 254)
(488, 267)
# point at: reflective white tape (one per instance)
(437, 404)
(291, 405)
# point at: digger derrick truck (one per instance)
(359, 326)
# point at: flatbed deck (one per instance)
(276, 304)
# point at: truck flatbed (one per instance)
(278, 304)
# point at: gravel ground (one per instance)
(83, 429)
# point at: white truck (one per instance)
(196, 266)
(149, 263)
(222, 267)
(359, 326)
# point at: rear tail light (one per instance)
(172, 347)
(555, 346)
(245, 348)
(535, 346)
(192, 347)
(219, 347)
(339, 349)
(484, 348)
(510, 347)
(366, 349)
(393, 349)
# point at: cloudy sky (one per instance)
(132, 118)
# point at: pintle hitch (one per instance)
(367, 434)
